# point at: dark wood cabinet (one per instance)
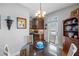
(40, 24)
(31, 24)
(37, 37)
(67, 44)
(37, 24)
(71, 34)
(71, 28)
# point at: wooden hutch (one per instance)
(71, 31)
(37, 28)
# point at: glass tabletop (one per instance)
(48, 50)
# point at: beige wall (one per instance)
(13, 37)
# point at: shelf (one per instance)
(71, 38)
(70, 19)
(70, 31)
(72, 24)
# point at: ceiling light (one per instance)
(40, 13)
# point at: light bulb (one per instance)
(44, 12)
(39, 15)
(38, 11)
(36, 14)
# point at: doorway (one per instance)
(52, 30)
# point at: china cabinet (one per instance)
(71, 33)
(37, 28)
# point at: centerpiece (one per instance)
(39, 45)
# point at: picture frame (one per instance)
(21, 23)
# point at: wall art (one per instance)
(21, 23)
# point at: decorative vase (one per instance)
(39, 45)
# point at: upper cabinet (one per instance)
(30, 24)
(37, 23)
(71, 28)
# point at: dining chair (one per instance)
(6, 50)
(72, 50)
(30, 39)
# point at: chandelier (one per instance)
(40, 13)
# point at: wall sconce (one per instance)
(9, 22)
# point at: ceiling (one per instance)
(48, 7)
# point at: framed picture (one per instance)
(21, 23)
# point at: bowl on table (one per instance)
(39, 45)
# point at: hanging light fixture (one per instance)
(40, 13)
